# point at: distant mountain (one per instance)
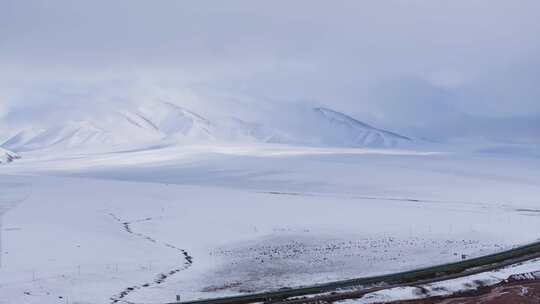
(171, 121)
(7, 156)
(338, 129)
(144, 124)
(158, 122)
(75, 134)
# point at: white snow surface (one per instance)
(216, 219)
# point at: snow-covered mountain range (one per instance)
(158, 122)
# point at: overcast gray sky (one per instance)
(407, 65)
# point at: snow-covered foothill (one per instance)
(342, 130)
(7, 156)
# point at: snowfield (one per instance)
(200, 221)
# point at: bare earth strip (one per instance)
(162, 277)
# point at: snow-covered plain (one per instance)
(212, 220)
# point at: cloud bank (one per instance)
(436, 69)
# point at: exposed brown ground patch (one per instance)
(503, 293)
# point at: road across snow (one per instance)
(252, 218)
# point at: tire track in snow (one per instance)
(161, 277)
(399, 199)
